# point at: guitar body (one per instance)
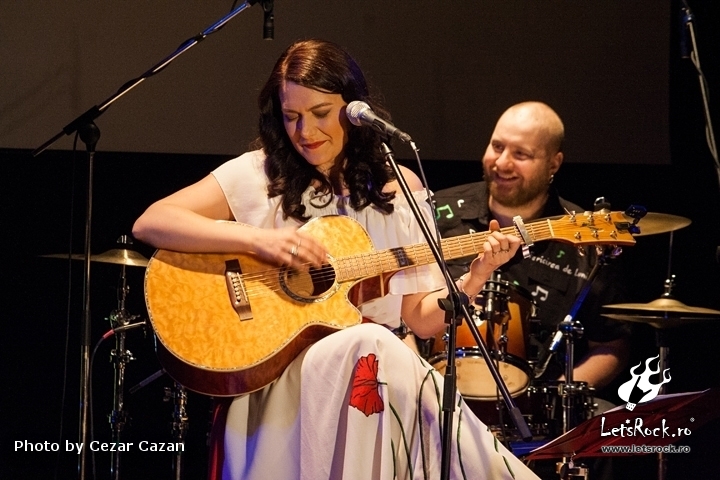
(203, 342)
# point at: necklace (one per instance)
(320, 199)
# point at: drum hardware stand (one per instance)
(570, 330)
(456, 308)
(664, 350)
(120, 322)
(180, 423)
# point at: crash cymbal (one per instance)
(667, 305)
(658, 321)
(119, 256)
(653, 223)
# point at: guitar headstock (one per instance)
(591, 228)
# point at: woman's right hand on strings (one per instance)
(289, 246)
(187, 221)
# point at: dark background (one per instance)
(446, 70)
(44, 207)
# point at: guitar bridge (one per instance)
(236, 290)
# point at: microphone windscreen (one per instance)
(354, 110)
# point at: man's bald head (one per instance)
(541, 118)
(522, 158)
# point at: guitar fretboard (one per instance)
(374, 263)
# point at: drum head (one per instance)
(474, 380)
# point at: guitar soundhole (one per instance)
(310, 286)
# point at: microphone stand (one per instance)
(98, 110)
(687, 23)
(89, 133)
(456, 308)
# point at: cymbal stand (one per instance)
(571, 329)
(180, 424)
(661, 342)
(121, 357)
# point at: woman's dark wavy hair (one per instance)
(326, 67)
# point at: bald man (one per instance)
(521, 159)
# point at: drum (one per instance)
(542, 407)
(504, 333)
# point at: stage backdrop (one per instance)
(446, 70)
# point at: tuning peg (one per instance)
(601, 205)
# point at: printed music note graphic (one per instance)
(445, 207)
(539, 289)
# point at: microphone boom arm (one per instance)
(94, 112)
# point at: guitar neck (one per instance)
(377, 262)
(589, 228)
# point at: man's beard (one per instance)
(518, 195)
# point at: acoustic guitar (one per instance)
(229, 324)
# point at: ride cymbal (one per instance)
(669, 305)
(662, 313)
(659, 321)
(654, 223)
(119, 256)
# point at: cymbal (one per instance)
(119, 256)
(665, 304)
(659, 321)
(653, 223)
(662, 313)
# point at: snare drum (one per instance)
(512, 307)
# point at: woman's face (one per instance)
(316, 124)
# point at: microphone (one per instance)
(359, 113)
(490, 295)
(685, 18)
(268, 20)
(542, 365)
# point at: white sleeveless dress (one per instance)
(358, 404)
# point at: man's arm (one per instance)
(603, 362)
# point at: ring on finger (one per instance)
(294, 250)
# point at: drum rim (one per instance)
(476, 353)
(515, 361)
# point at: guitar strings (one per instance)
(373, 263)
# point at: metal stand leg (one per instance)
(664, 363)
(180, 424)
(119, 321)
(119, 416)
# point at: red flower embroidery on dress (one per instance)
(364, 395)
